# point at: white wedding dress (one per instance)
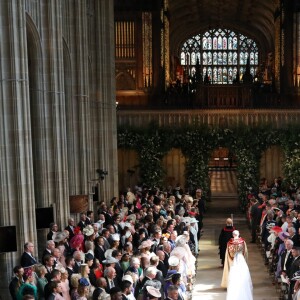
(239, 280)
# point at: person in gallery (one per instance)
(236, 275)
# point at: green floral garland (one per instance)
(197, 143)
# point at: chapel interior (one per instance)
(74, 72)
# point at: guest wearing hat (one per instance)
(89, 233)
(28, 287)
(153, 293)
(224, 237)
(85, 272)
(60, 239)
(115, 241)
(89, 259)
(174, 264)
(83, 289)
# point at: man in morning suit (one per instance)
(295, 266)
(27, 259)
(286, 257)
(70, 228)
(99, 292)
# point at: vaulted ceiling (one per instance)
(254, 18)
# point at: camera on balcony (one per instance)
(101, 173)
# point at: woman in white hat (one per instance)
(60, 239)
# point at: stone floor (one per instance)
(209, 273)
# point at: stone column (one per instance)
(105, 97)
(82, 96)
(17, 205)
(54, 78)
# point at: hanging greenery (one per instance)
(197, 143)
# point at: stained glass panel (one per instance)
(231, 51)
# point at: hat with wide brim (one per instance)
(153, 291)
(76, 241)
(283, 235)
(276, 229)
(131, 217)
(127, 278)
(60, 236)
(108, 253)
(109, 260)
(173, 261)
(88, 230)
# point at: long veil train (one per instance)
(239, 281)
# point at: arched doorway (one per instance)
(222, 172)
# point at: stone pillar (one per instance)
(105, 97)
(17, 205)
(54, 78)
(297, 50)
(82, 97)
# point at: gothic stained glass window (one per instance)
(222, 55)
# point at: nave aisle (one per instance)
(209, 273)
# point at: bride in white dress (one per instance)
(239, 283)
